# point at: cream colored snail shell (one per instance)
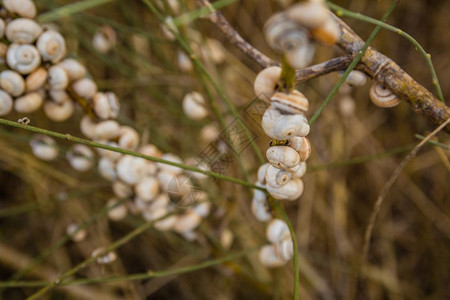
(24, 8)
(309, 14)
(80, 157)
(260, 206)
(277, 230)
(116, 211)
(290, 191)
(6, 103)
(59, 112)
(305, 150)
(194, 106)
(88, 126)
(131, 169)
(106, 130)
(277, 177)
(59, 96)
(327, 34)
(122, 189)
(150, 150)
(12, 83)
(184, 62)
(300, 170)
(44, 147)
(75, 70)
(283, 126)
(29, 102)
(166, 224)
(169, 168)
(266, 82)
(104, 39)
(261, 177)
(36, 79)
(52, 46)
(107, 169)
(270, 258)
(282, 157)
(85, 88)
(152, 215)
(128, 138)
(202, 209)
(111, 155)
(23, 58)
(187, 222)
(106, 105)
(293, 103)
(147, 188)
(57, 78)
(356, 78)
(22, 31)
(285, 249)
(382, 96)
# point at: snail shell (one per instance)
(75, 70)
(283, 157)
(194, 106)
(309, 14)
(269, 257)
(75, 233)
(36, 79)
(300, 170)
(202, 209)
(305, 150)
(52, 46)
(356, 78)
(166, 223)
(266, 82)
(59, 112)
(104, 39)
(277, 230)
(80, 157)
(121, 189)
(150, 150)
(128, 138)
(290, 191)
(169, 168)
(131, 169)
(260, 206)
(107, 130)
(382, 96)
(262, 174)
(29, 102)
(106, 105)
(184, 62)
(107, 169)
(111, 155)
(277, 177)
(22, 31)
(6, 103)
(59, 96)
(104, 259)
(87, 127)
(292, 103)
(281, 126)
(328, 33)
(57, 78)
(152, 215)
(44, 147)
(187, 222)
(24, 8)
(12, 83)
(116, 211)
(23, 58)
(285, 249)
(85, 88)
(147, 188)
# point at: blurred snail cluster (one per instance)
(37, 73)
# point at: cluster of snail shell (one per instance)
(39, 74)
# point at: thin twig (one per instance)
(387, 187)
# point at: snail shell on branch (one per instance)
(23, 58)
(105, 259)
(283, 126)
(57, 78)
(382, 96)
(309, 14)
(356, 78)
(74, 69)
(44, 147)
(187, 222)
(59, 112)
(29, 102)
(111, 155)
(269, 257)
(292, 103)
(85, 88)
(121, 189)
(52, 46)
(305, 150)
(266, 82)
(128, 138)
(24, 8)
(36, 79)
(22, 31)
(262, 174)
(6, 103)
(285, 249)
(276, 177)
(80, 157)
(327, 34)
(283, 157)
(107, 169)
(277, 230)
(169, 168)
(260, 206)
(194, 106)
(290, 191)
(12, 83)
(131, 169)
(106, 105)
(147, 188)
(106, 130)
(166, 224)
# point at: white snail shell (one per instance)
(202, 209)
(309, 14)
(122, 190)
(283, 126)
(107, 169)
(22, 31)
(269, 257)
(151, 215)
(276, 177)
(266, 82)
(105, 259)
(111, 155)
(187, 222)
(36, 79)
(23, 58)
(128, 138)
(162, 200)
(169, 168)
(87, 126)
(80, 234)
(209, 133)
(106, 130)
(24, 8)
(184, 62)
(44, 147)
(104, 39)
(52, 46)
(300, 170)
(80, 157)
(106, 105)
(166, 223)
(260, 206)
(382, 96)
(285, 249)
(327, 34)
(75, 70)
(12, 83)
(29, 102)
(59, 112)
(147, 188)
(283, 157)
(356, 78)
(292, 103)
(57, 78)
(261, 177)
(194, 106)
(85, 88)
(59, 96)
(305, 150)
(6, 103)
(119, 212)
(150, 150)
(277, 230)
(290, 191)
(131, 169)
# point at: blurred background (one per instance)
(356, 147)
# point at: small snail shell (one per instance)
(285, 249)
(266, 82)
(128, 138)
(226, 238)
(202, 209)
(270, 258)
(29, 102)
(169, 168)
(147, 188)
(106, 105)
(6, 103)
(305, 150)
(327, 34)
(209, 133)
(85, 88)
(290, 191)
(57, 78)
(12, 83)
(87, 127)
(22, 31)
(104, 259)
(283, 157)
(277, 230)
(300, 170)
(24, 8)
(281, 126)
(309, 14)
(52, 46)
(299, 51)
(162, 200)
(107, 130)
(77, 234)
(194, 106)
(150, 150)
(111, 155)
(104, 39)
(107, 169)
(187, 222)
(80, 157)
(23, 58)
(382, 96)
(151, 215)
(292, 103)
(44, 147)
(122, 190)
(277, 177)
(116, 211)
(356, 78)
(260, 206)
(74, 69)
(131, 169)
(59, 96)
(166, 223)
(184, 62)
(2, 28)
(262, 174)
(59, 112)
(36, 79)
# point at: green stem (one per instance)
(352, 65)
(69, 9)
(287, 76)
(346, 13)
(124, 151)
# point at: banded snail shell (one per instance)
(382, 96)
(52, 46)
(292, 103)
